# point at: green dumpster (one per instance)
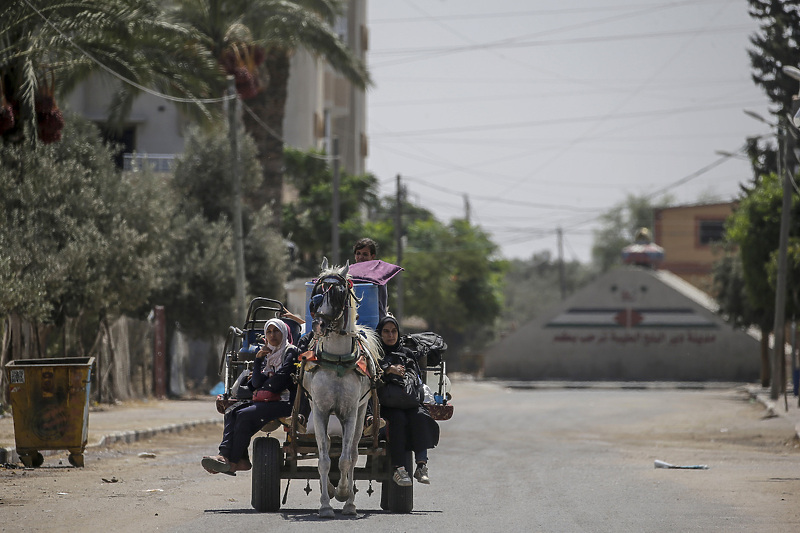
(50, 405)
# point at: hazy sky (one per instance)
(546, 114)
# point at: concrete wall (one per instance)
(632, 324)
(159, 126)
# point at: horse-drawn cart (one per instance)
(291, 452)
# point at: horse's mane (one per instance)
(372, 342)
(332, 271)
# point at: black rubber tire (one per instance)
(385, 495)
(76, 460)
(266, 493)
(398, 499)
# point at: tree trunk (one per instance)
(4, 354)
(270, 107)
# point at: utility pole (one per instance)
(238, 237)
(786, 169)
(561, 281)
(398, 236)
(335, 209)
(777, 380)
(467, 208)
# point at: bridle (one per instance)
(336, 289)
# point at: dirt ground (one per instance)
(113, 489)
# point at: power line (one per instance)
(426, 53)
(508, 201)
(122, 78)
(527, 13)
(557, 121)
(550, 31)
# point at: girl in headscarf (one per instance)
(272, 371)
(408, 429)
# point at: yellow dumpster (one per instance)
(50, 406)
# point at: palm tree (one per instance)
(260, 36)
(48, 46)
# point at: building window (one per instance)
(710, 231)
(340, 27)
(122, 141)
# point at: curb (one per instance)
(619, 385)
(9, 455)
(770, 406)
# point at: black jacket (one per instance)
(281, 379)
(398, 355)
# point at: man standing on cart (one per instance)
(368, 268)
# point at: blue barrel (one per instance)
(367, 309)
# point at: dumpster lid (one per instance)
(53, 361)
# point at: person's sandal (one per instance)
(301, 424)
(218, 465)
(370, 423)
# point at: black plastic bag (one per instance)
(426, 343)
(405, 393)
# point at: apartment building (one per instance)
(688, 234)
(321, 105)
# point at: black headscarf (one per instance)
(385, 320)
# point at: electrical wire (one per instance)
(526, 13)
(559, 121)
(122, 78)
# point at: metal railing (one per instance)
(155, 162)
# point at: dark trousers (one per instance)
(244, 422)
(407, 430)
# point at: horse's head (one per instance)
(330, 303)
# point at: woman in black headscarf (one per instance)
(409, 429)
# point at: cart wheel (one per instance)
(266, 493)
(398, 499)
(76, 459)
(385, 495)
(32, 460)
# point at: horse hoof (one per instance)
(327, 513)
(349, 510)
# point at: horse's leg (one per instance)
(347, 461)
(344, 488)
(348, 414)
(324, 462)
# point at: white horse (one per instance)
(334, 383)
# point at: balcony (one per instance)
(155, 162)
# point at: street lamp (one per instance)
(779, 335)
(794, 72)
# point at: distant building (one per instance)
(688, 234)
(631, 324)
(320, 102)
(642, 252)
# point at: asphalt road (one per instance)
(509, 460)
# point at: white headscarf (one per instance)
(275, 359)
